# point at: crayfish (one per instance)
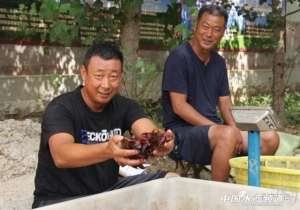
(145, 144)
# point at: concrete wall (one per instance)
(29, 74)
(250, 73)
(36, 60)
(290, 8)
(293, 44)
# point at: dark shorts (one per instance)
(122, 182)
(137, 179)
(192, 144)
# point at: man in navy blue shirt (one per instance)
(194, 83)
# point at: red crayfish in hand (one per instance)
(146, 143)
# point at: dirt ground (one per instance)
(19, 142)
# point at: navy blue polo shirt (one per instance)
(203, 84)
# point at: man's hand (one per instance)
(168, 146)
(122, 156)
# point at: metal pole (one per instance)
(254, 158)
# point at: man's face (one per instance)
(102, 80)
(209, 31)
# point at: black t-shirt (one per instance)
(69, 113)
(203, 84)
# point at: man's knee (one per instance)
(270, 142)
(225, 136)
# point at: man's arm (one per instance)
(68, 154)
(184, 110)
(225, 109)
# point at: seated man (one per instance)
(194, 83)
(80, 149)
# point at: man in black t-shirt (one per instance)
(81, 133)
(194, 83)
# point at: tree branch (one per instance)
(293, 12)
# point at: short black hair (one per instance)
(213, 10)
(106, 51)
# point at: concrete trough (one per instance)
(184, 194)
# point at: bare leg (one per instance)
(223, 140)
(269, 142)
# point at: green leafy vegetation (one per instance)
(292, 108)
(67, 22)
(244, 42)
(153, 110)
(71, 22)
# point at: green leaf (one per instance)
(88, 40)
(76, 9)
(140, 64)
(61, 33)
(65, 8)
(179, 27)
(45, 50)
(194, 12)
(190, 3)
(33, 10)
(49, 9)
(22, 7)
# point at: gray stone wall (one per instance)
(30, 76)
